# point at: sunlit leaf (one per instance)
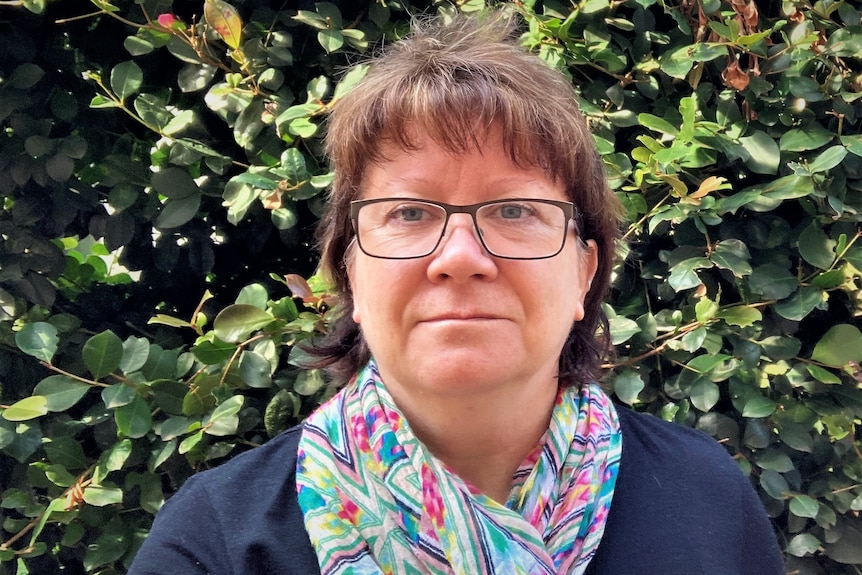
(27, 408)
(254, 370)
(126, 79)
(102, 495)
(225, 20)
(627, 386)
(839, 346)
(236, 322)
(308, 382)
(38, 339)
(61, 392)
(330, 39)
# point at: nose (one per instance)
(461, 254)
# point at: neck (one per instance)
(482, 437)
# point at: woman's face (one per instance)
(461, 321)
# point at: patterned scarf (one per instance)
(376, 501)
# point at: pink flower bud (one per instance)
(166, 20)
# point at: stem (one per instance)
(26, 529)
(73, 376)
(79, 17)
(80, 484)
(236, 353)
(635, 226)
(837, 259)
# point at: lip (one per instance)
(462, 317)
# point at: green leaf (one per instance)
(174, 183)
(822, 375)
(311, 18)
(763, 153)
(177, 212)
(126, 79)
(845, 42)
(740, 315)
(53, 507)
(774, 484)
(351, 79)
(102, 354)
(25, 76)
(135, 353)
(657, 124)
(102, 495)
(293, 165)
(224, 420)
(827, 160)
(284, 218)
(759, 407)
(684, 275)
(705, 309)
(308, 382)
(622, 329)
(804, 506)
(704, 394)
(330, 39)
(61, 392)
(254, 294)
(773, 281)
(134, 419)
(677, 63)
(839, 346)
(66, 451)
(211, 352)
(800, 304)
(816, 247)
(191, 441)
(781, 347)
(803, 544)
(236, 322)
(774, 460)
(230, 406)
(168, 320)
(38, 339)
(255, 370)
(853, 143)
(847, 549)
(627, 386)
(810, 137)
(118, 395)
(28, 408)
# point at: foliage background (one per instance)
(161, 178)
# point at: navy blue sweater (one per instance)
(681, 507)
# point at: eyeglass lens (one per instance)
(510, 229)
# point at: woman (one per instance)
(470, 236)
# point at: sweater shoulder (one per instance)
(254, 468)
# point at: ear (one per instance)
(588, 263)
(349, 262)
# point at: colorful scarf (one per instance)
(376, 501)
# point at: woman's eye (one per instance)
(511, 212)
(410, 214)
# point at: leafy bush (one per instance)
(153, 243)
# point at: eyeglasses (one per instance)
(516, 228)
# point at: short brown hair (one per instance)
(448, 79)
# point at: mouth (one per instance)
(462, 318)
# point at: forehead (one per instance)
(487, 168)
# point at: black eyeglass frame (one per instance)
(569, 210)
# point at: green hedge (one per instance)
(161, 173)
